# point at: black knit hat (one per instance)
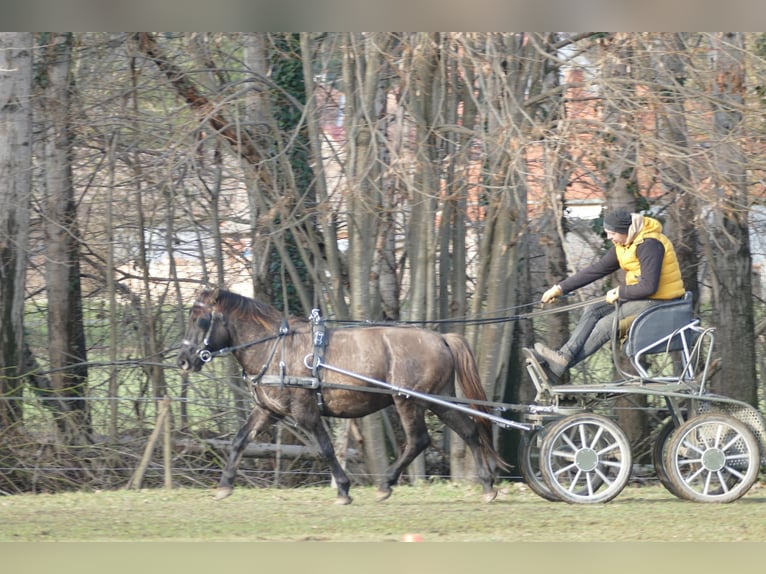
(618, 221)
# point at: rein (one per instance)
(319, 342)
(206, 355)
(531, 315)
(559, 309)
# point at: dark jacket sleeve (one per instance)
(601, 268)
(650, 255)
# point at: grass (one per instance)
(440, 512)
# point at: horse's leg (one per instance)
(412, 416)
(254, 423)
(317, 428)
(468, 430)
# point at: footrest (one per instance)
(540, 376)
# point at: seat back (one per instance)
(662, 328)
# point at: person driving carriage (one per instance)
(652, 276)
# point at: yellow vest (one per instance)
(671, 284)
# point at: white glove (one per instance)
(551, 294)
(612, 295)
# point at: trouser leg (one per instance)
(596, 327)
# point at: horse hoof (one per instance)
(223, 492)
(343, 500)
(383, 494)
(490, 496)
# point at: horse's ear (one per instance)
(208, 295)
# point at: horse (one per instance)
(275, 352)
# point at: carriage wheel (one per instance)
(586, 458)
(712, 458)
(529, 464)
(659, 448)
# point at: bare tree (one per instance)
(727, 240)
(329, 267)
(16, 49)
(66, 335)
(621, 126)
(363, 85)
(547, 222)
(425, 205)
(670, 64)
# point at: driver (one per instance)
(652, 276)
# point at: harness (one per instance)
(283, 379)
(319, 339)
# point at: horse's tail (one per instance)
(468, 378)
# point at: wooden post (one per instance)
(167, 449)
(138, 476)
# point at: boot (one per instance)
(557, 362)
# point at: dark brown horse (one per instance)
(278, 356)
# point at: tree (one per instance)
(223, 153)
(727, 242)
(16, 62)
(323, 243)
(670, 63)
(66, 335)
(621, 126)
(363, 85)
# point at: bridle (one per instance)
(206, 354)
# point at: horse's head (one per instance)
(207, 332)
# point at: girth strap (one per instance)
(285, 380)
(319, 338)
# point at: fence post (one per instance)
(167, 449)
(138, 476)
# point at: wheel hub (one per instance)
(713, 459)
(586, 459)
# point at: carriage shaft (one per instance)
(505, 423)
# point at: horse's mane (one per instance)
(241, 307)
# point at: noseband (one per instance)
(206, 355)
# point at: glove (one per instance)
(612, 295)
(551, 294)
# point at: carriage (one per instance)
(707, 447)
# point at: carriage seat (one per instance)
(662, 328)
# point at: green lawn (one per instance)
(441, 512)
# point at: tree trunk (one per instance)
(421, 243)
(728, 238)
(16, 49)
(148, 327)
(514, 76)
(326, 219)
(621, 186)
(363, 67)
(550, 228)
(258, 113)
(673, 150)
(66, 335)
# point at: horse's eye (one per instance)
(203, 323)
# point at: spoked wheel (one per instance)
(585, 459)
(659, 448)
(529, 463)
(712, 458)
